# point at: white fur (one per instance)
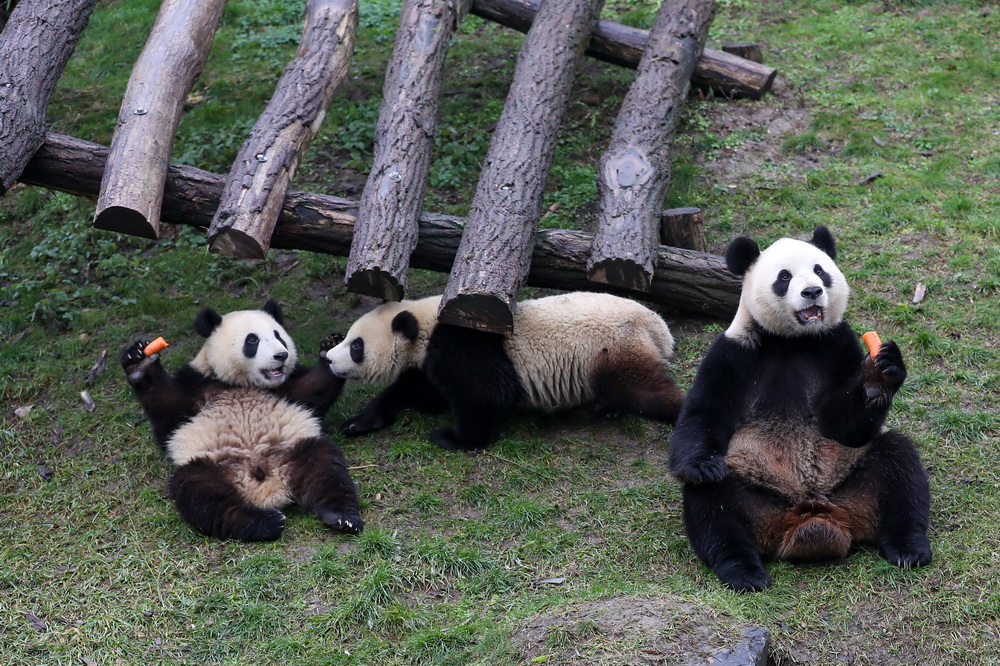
(556, 344)
(778, 314)
(222, 354)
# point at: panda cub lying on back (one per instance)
(242, 425)
(781, 444)
(565, 351)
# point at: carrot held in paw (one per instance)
(873, 341)
(159, 344)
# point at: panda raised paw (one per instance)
(133, 354)
(329, 343)
(889, 361)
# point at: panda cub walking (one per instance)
(781, 444)
(242, 424)
(565, 351)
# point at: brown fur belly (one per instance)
(250, 434)
(803, 467)
(791, 458)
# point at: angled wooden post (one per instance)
(634, 172)
(495, 253)
(35, 44)
(168, 66)
(386, 229)
(265, 164)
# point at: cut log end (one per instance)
(481, 312)
(620, 273)
(684, 228)
(233, 243)
(126, 221)
(374, 282)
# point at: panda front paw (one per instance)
(265, 525)
(449, 440)
(700, 470)
(362, 424)
(889, 361)
(133, 354)
(909, 555)
(329, 343)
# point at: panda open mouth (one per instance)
(276, 373)
(814, 313)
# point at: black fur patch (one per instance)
(780, 285)
(823, 275)
(823, 239)
(406, 324)
(272, 308)
(741, 254)
(206, 322)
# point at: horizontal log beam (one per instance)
(727, 74)
(694, 282)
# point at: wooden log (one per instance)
(386, 229)
(266, 163)
(693, 282)
(495, 254)
(683, 227)
(634, 172)
(38, 39)
(727, 74)
(168, 66)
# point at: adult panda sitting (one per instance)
(242, 424)
(781, 442)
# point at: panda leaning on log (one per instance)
(781, 443)
(242, 424)
(565, 351)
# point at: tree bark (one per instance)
(386, 229)
(36, 42)
(266, 163)
(495, 254)
(694, 282)
(634, 172)
(168, 66)
(728, 75)
(683, 227)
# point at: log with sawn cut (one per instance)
(265, 164)
(386, 229)
(35, 44)
(495, 254)
(690, 281)
(634, 172)
(168, 66)
(727, 74)
(683, 227)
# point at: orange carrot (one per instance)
(873, 341)
(156, 345)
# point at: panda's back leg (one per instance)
(721, 520)
(890, 481)
(321, 484)
(635, 381)
(207, 499)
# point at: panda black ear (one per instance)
(272, 308)
(207, 321)
(406, 324)
(741, 254)
(823, 239)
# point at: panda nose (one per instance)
(281, 356)
(812, 293)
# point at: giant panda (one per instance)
(241, 424)
(564, 351)
(781, 442)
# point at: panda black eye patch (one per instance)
(280, 339)
(823, 275)
(250, 344)
(358, 350)
(780, 286)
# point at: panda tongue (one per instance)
(815, 312)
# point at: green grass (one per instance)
(566, 538)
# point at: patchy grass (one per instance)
(564, 543)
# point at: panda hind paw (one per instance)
(745, 579)
(919, 556)
(448, 440)
(348, 523)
